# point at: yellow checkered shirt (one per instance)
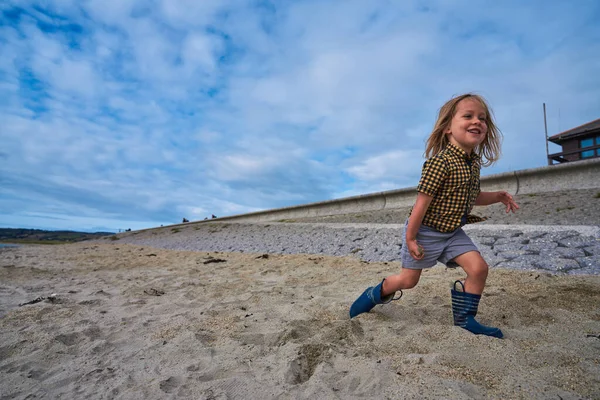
(452, 179)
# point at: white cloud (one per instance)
(208, 137)
(199, 51)
(249, 167)
(74, 76)
(192, 13)
(390, 166)
(111, 12)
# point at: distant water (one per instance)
(4, 245)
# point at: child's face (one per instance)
(468, 126)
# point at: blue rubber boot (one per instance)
(369, 299)
(464, 310)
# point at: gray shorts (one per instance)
(438, 246)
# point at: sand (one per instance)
(143, 323)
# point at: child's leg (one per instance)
(476, 269)
(466, 302)
(432, 241)
(406, 279)
(384, 291)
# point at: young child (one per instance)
(464, 134)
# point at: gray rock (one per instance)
(536, 235)
(517, 265)
(592, 262)
(486, 241)
(556, 236)
(585, 271)
(504, 248)
(592, 251)
(579, 241)
(539, 247)
(527, 261)
(563, 252)
(508, 247)
(511, 255)
(557, 265)
(509, 238)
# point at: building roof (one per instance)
(577, 131)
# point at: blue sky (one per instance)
(121, 114)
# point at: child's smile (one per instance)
(468, 126)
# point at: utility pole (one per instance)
(546, 130)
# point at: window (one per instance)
(587, 143)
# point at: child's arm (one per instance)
(487, 198)
(414, 223)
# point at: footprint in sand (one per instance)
(69, 339)
(303, 367)
(170, 385)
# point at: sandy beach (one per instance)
(116, 319)
(132, 322)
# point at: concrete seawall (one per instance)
(575, 175)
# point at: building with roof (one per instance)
(579, 143)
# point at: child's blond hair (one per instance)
(488, 150)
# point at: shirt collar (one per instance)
(461, 153)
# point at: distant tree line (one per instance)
(17, 235)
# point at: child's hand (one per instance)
(415, 250)
(506, 199)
